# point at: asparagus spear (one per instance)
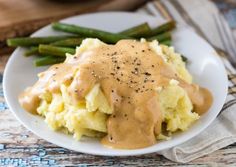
(90, 32)
(164, 27)
(138, 31)
(161, 37)
(33, 50)
(71, 42)
(55, 50)
(34, 41)
(48, 60)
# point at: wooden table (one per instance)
(19, 147)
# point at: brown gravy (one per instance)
(128, 74)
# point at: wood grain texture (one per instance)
(19, 147)
(21, 19)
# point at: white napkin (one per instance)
(222, 132)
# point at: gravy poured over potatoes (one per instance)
(130, 78)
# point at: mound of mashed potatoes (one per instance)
(89, 115)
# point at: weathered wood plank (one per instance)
(3, 60)
(21, 20)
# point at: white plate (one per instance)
(205, 66)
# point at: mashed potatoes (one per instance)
(89, 116)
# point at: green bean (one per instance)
(166, 42)
(34, 41)
(164, 27)
(32, 51)
(55, 50)
(161, 37)
(72, 42)
(48, 60)
(185, 59)
(90, 32)
(138, 31)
